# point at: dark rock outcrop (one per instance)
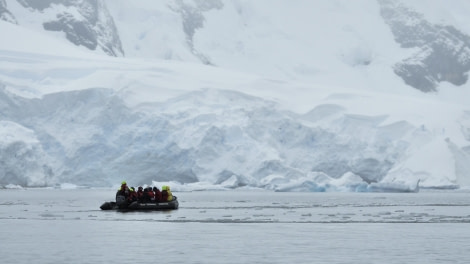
(93, 28)
(443, 51)
(5, 14)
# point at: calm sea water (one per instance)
(67, 226)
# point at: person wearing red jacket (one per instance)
(151, 194)
(140, 194)
(158, 194)
(132, 195)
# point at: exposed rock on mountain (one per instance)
(443, 51)
(85, 23)
(5, 14)
(193, 19)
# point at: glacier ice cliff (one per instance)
(90, 137)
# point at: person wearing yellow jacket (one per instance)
(166, 193)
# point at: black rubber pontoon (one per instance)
(121, 204)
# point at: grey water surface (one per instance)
(67, 226)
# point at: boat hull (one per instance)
(136, 206)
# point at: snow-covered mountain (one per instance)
(286, 95)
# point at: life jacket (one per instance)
(132, 196)
(145, 196)
(123, 190)
(170, 195)
(166, 193)
(158, 195)
(151, 194)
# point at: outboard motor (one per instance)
(121, 201)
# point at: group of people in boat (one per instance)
(145, 195)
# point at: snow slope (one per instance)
(299, 96)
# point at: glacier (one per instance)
(224, 94)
